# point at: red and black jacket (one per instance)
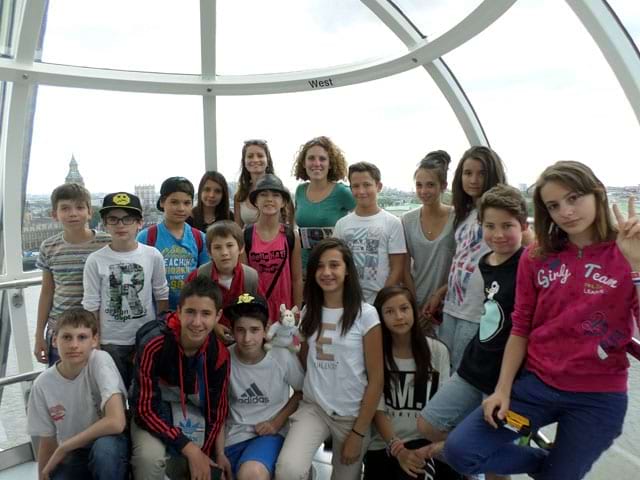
(160, 360)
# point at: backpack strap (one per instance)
(197, 235)
(250, 280)
(248, 238)
(291, 237)
(152, 235)
(205, 270)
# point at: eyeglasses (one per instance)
(255, 141)
(128, 220)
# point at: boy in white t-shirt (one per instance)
(259, 393)
(121, 281)
(375, 237)
(76, 407)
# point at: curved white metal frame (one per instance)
(23, 73)
(26, 71)
(615, 44)
(439, 71)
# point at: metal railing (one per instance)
(21, 377)
(25, 282)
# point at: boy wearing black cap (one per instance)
(259, 392)
(181, 245)
(122, 279)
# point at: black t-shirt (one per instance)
(480, 365)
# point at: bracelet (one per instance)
(635, 278)
(357, 433)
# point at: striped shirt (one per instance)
(65, 261)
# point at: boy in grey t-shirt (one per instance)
(259, 392)
(76, 407)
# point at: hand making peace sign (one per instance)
(628, 239)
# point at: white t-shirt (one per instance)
(336, 373)
(122, 286)
(63, 408)
(371, 240)
(258, 392)
(465, 294)
(408, 399)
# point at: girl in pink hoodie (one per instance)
(576, 299)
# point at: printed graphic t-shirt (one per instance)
(181, 257)
(408, 399)
(122, 286)
(336, 375)
(258, 392)
(371, 240)
(266, 258)
(61, 408)
(465, 296)
(482, 359)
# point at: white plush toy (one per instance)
(284, 333)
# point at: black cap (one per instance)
(123, 200)
(269, 182)
(172, 185)
(246, 303)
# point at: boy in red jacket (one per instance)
(179, 389)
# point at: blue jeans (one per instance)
(106, 458)
(587, 425)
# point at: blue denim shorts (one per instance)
(453, 401)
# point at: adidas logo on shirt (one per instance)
(253, 395)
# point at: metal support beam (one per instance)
(208, 56)
(12, 179)
(615, 43)
(399, 24)
(209, 111)
(20, 331)
(29, 30)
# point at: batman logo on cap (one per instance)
(121, 199)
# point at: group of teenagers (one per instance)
(422, 337)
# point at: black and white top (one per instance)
(408, 399)
(482, 359)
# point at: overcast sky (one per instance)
(541, 88)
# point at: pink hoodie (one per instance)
(577, 308)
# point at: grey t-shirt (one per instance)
(63, 408)
(431, 258)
